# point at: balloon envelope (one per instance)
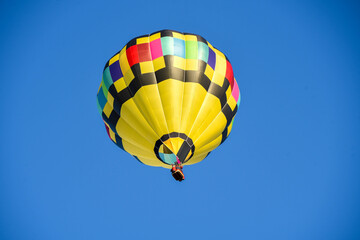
(168, 97)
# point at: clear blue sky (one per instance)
(289, 170)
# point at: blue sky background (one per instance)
(289, 170)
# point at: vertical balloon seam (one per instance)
(138, 146)
(127, 122)
(134, 143)
(121, 137)
(202, 105)
(196, 158)
(183, 92)
(208, 151)
(186, 67)
(127, 140)
(133, 95)
(221, 112)
(206, 97)
(147, 99)
(197, 114)
(162, 107)
(200, 150)
(230, 95)
(141, 134)
(118, 113)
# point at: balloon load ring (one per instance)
(165, 148)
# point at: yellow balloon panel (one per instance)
(209, 110)
(210, 146)
(194, 95)
(196, 159)
(213, 130)
(152, 162)
(132, 115)
(139, 152)
(148, 101)
(127, 132)
(171, 93)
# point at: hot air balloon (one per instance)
(168, 99)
